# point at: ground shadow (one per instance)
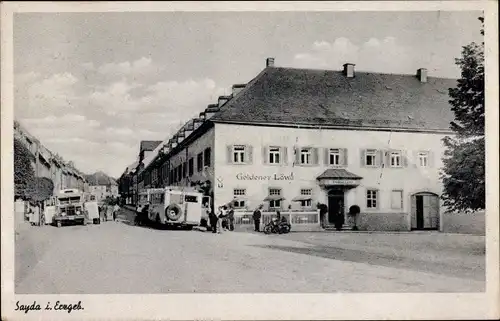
(385, 260)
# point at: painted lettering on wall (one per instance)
(273, 177)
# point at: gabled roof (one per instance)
(149, 145)
(328, 98)
(338, 173)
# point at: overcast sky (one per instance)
(90, 86)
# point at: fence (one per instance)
(298, 220)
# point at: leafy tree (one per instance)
(41, 189)
(24, 174)
(464, 160)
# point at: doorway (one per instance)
(424, 211)
(335, 204)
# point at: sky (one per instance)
(91, 86)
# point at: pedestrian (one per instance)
(230, 217)
(115, 211)
(213, 221)
(257, 214)
(339, 219)
(222, 215)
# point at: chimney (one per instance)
(223, 100)
(422, 75)
(349, 70)
(238, 88)
(270, 62)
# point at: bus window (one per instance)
(191, 199)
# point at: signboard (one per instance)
(273, 177)
(337, 182)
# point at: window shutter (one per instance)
(249, 150)
(362, 153)
(297, 155)
(284, 155)
(385, 156)
(315, 156)
(229, 154)
(327, 156)
(404, 158)
(379, 158)
(265, 155)
(345, 157)
(430, 159)
(415, 162)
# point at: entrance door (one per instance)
(335, 204)
(425, 211)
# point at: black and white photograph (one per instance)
(249, 152)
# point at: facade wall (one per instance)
(463, 223)
(192, 151)
(291, 179)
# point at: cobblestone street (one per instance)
(115, 257)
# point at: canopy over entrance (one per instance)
(338, 177)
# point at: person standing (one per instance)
(222, 215)
(257, 214)
(230, 217)
(116, 208)
(213, 221)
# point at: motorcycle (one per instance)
(274, 227)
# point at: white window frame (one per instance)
(423, 159)
(306, 191)
(275, 204)
(306, 156)
(239, 192)
(399, 206)
(372, 196)
(396, 158)
(274, 155)
(373, 154)
(334, 154)
(239, 154)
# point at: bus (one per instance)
(70, 207)
(173, 206)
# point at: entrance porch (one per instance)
(336, 183)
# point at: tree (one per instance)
(41, 190)
(24, 174)
(464, 160)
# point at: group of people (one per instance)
(223, 220)
(105, 211)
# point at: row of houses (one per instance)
(290, 139)
(50, 165)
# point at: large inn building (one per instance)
(292, 138)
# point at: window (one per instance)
(206, 157)
(179, 173)
(238, 154)
(334, 157)
(191, 166)
(306, 191)
(371, 198)
(423, 159)
(275, 203)
(184, 170)
(274, 155)
(238, 192)
(397, 199)
(199, 162)
(305, 156)
(395, 159)
(370, 157)
(305, 203)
